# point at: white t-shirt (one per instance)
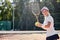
(50, 31)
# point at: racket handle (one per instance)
(37, 18)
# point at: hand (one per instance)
(38, 24)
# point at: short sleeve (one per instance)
(48, 19)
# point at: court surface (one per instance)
(31, 35)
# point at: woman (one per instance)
(48, 25)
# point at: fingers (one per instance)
(37, 24)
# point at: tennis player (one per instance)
(48, 25)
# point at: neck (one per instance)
(47, 15)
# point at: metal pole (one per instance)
(13, 18)
(13, 5)
(13, 15)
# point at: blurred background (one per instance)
(16, 15)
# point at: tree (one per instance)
(6, 11)
(5, 15)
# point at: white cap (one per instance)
(44, 8)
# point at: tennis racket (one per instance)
(35, 9)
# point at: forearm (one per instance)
(40, 25)
(43, 27)
(46, 26)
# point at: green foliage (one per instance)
(58, 0)
(6, 11)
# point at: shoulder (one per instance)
(50, 18)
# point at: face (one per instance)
(45, 12)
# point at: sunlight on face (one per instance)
(45, 12)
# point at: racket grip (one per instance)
(37, 18)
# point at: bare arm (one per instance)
(43, 26)
(48, 25)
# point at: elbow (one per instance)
(46, 26)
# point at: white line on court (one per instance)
(23, 32)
